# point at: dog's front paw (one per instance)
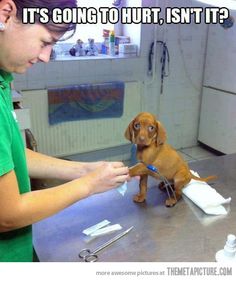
(139, 198)
(170, 202)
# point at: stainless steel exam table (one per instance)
(160, 234)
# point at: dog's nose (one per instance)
(141, 138)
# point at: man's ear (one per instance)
(7, 9)
(161, 134)
(129, 132)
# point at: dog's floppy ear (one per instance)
(129, 132)
(161, 134)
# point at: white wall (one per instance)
(180, 103)
(177, 108)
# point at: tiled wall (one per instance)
(177, 107)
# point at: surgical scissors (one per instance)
(91, 256)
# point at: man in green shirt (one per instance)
(21, 46)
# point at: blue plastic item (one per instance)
(152, 168)
(228, 23)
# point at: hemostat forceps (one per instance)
(166, 182)
(91, 256)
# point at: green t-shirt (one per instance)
(16, 245)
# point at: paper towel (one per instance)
(122, 188)
(205, 197)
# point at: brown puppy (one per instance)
(150, 137)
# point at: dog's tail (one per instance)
(203, 179)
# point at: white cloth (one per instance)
(205, 197)
(122, 188)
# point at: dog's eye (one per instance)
(151, 128)
(137, 126)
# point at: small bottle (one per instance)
(112, 43)
(229, 252)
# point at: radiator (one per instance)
(76, 137)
